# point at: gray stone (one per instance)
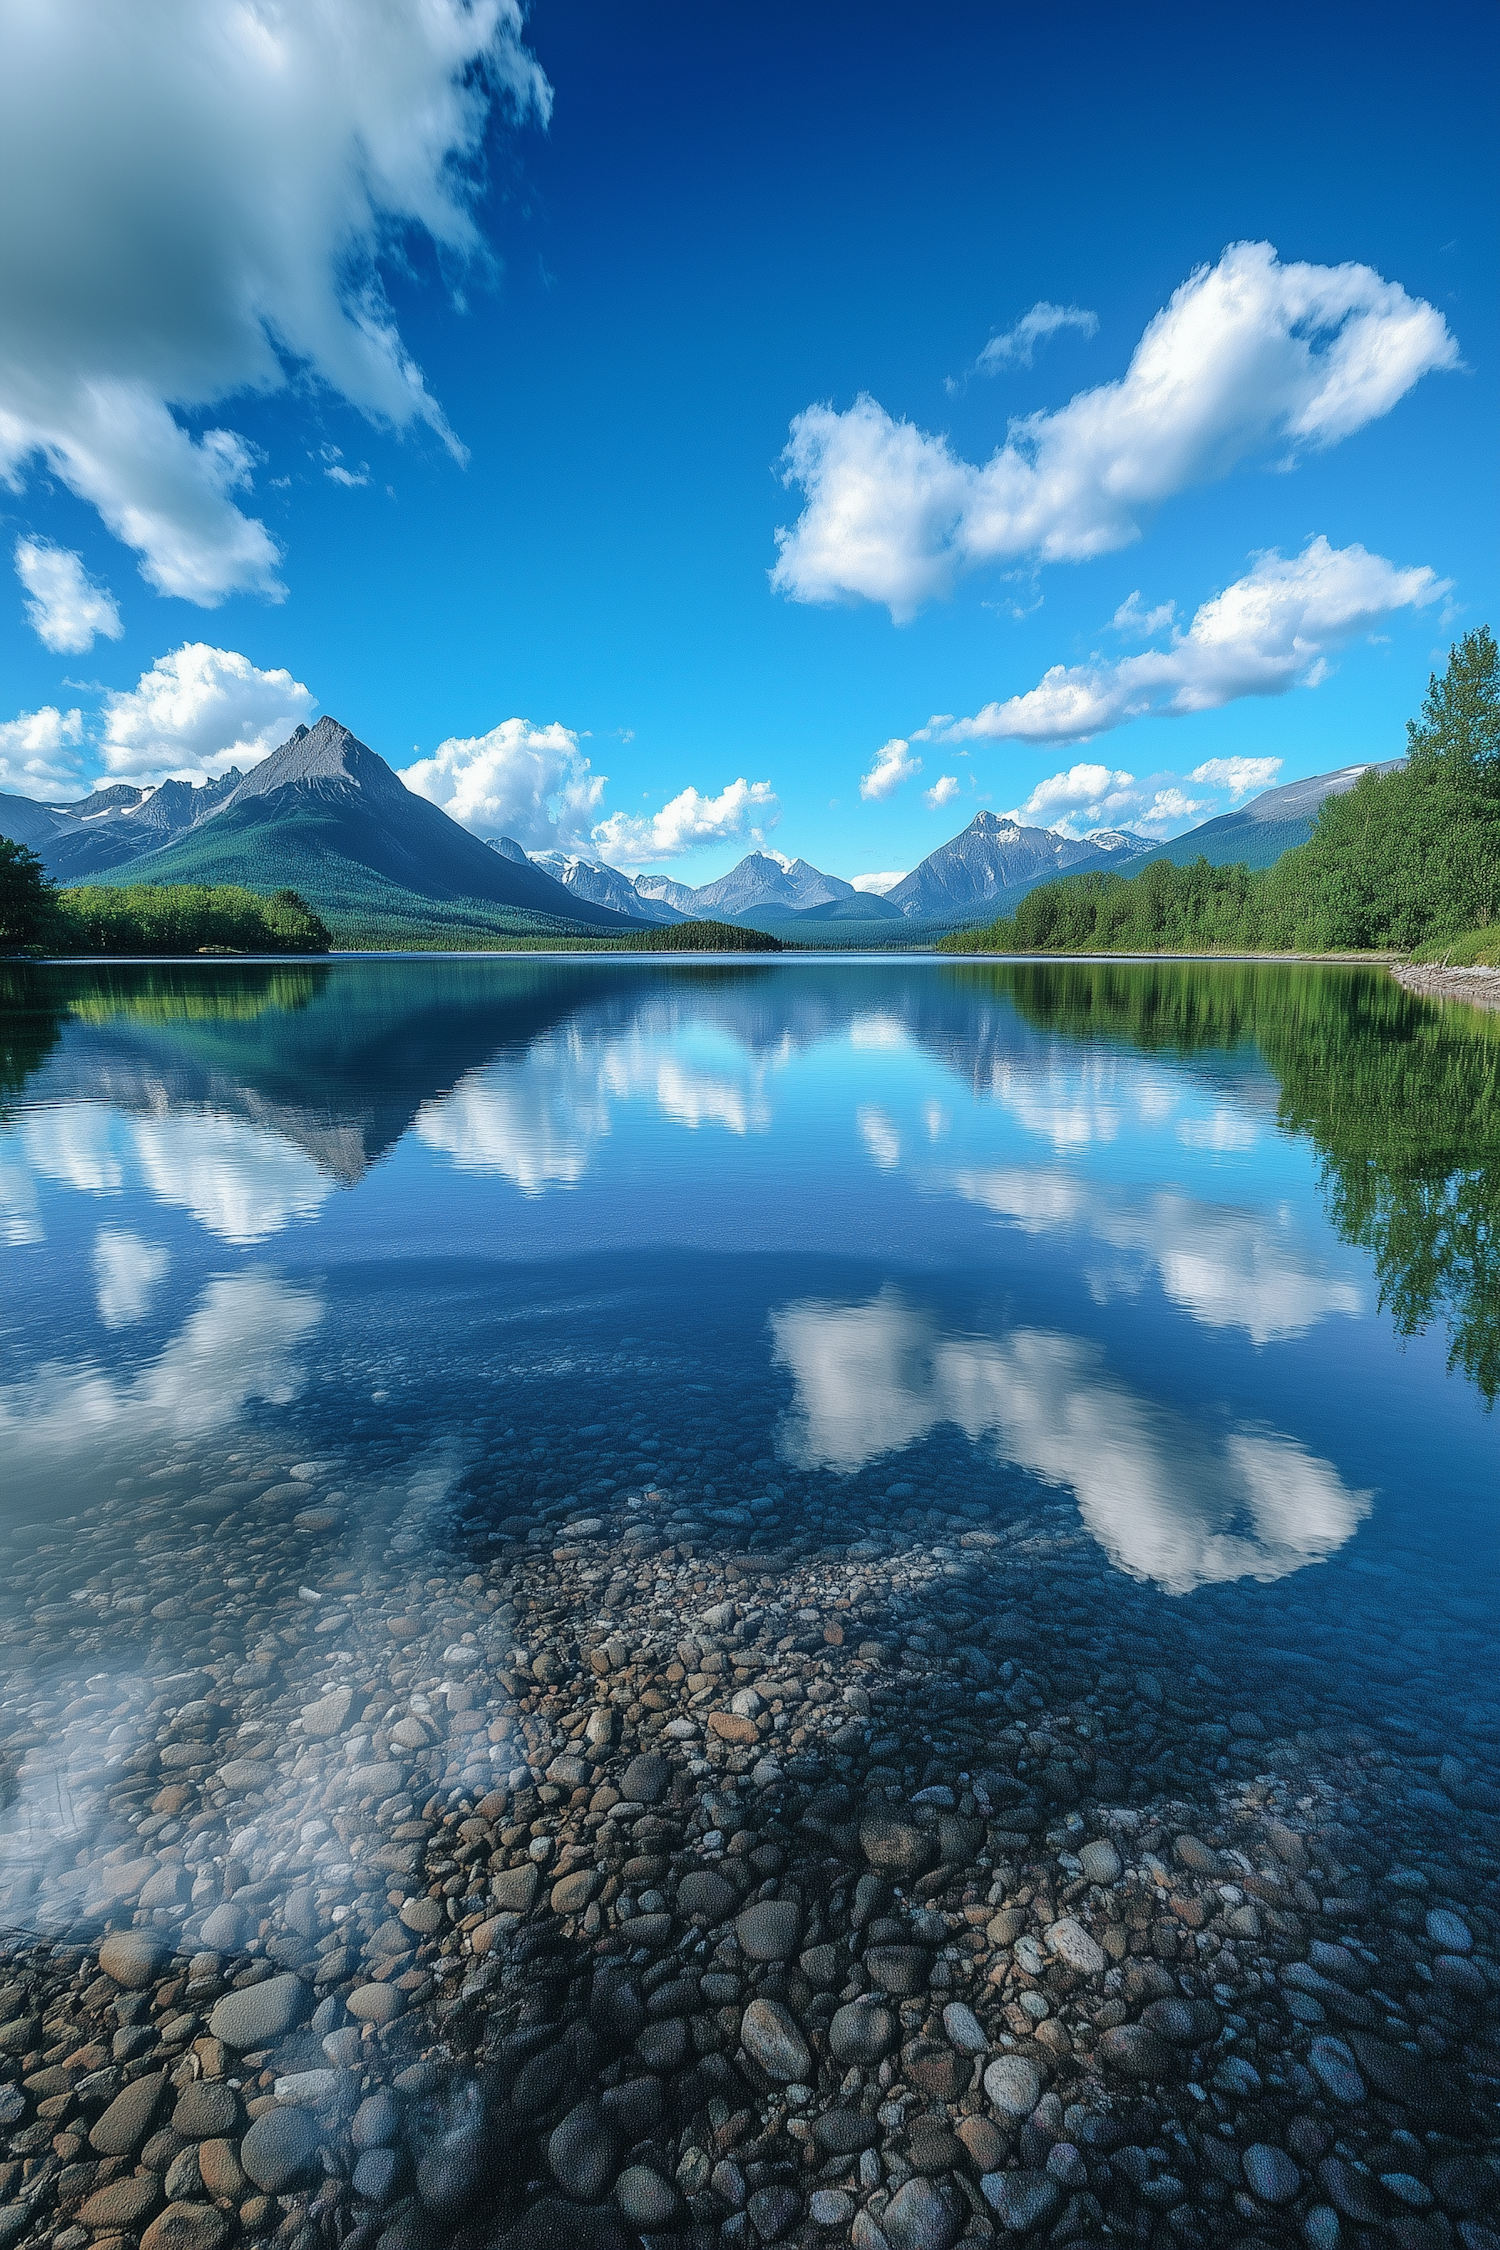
(820, 1965)
(898, 1969)
(770, 2037)
(514, 1888)
(645, 2200)
(1100, 1861)
(896, 1847)
(123, 2203)
(184, 2181)
(1196, 1856)
(129, 2117)
(1020, 2200)
(1449, 1931)
(1332, 2065)
(1270, 2173)
(326, 1717)
(376, 2003)
(830, 2207)
(769, 1930)
(917, 2218)
(1237, 2077)
(1013, 2085)
(572, 1893)
(773, 2210)
(206, 2110)
(862, 2034)
(1135, 2051)
(186, 2226)
(646, 1779)
(246, 1773)
(584, 2153)
(1320, 2228)
(224, 1928)
(260, 2014)
(375, 2174)
(279, 2149)
(707, 1893)
(131, 1958)
(964, 2030)
(1071, 1942)
(844, 2132)
(664, 2046)
(377, 2121)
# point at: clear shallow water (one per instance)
(1060, 1390)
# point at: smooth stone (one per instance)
(219, 2169)
(1072, 1943)
(376, 2003)
(896, 1847)
(326, 1717)
(1013, 2085)
(1020, 2200)
(247, 1773)
(664, 2046)
(279, 2148)
(1407, 2189)
(131, 1958)
(1332, 2064)
(917, 2218)
(1320, 2228)
(1135, 2051)
(1237, 2077)
(707, 1894)
(375, 2174)
(769, 1930)
(584, 2153)
(900, 1970)
(830, 2207)
(820, 1965)
(123, 2204)
(844, 2132)
(207, 2110)
(572, 1893)
(1270, 2173)
(647, 1779)
(772, 2210)
(1449, 1932)
(1196, 1856)
(862, 2034)
(223, 1929)
(377, 2121)
(128, 2119)
(964, 2029)
(186, 2226)
(423, 1916)
(769, 2035)
(260, 2014)
(515, 1888)
(931, 2147)
(645, 2200)
(1100, 1862)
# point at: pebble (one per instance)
(584, 2153)
(262, 2013)
(1020, 2200)
(770, 1930)
(131, 1958)
(1013, 2085)
(1100, 1861)
(1135, 2051)
(1332, 2065)
(645, 2200)
(1270, 2173)
(964, 2029)
(770, 2036)
(1071, 1942)
(187, 2226)
(862, 2034)
(918, 2218)
(128, 2119)
(206, 2110)
(279, 2148)
(1449, 1931)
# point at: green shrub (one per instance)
(183, 918)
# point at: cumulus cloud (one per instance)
(40, 753)
(1093, 794)
(1017, 347)
(197, 712)
(67, 610)
(532, 783)
(1272, 630)
(942, 792)
(1237, 776)
(880, 881)
(688, 820)
(1136, 624)
(1249, 357)
(892, 766)
(194, 198)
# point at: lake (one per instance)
(922, 1437)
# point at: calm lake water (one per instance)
(1142, 1321)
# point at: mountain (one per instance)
(591, 879)
(766, 879)
(114, 825)
(1269, 825)
(326, 815)
(664, 891)
(995, 858)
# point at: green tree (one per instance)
(1458, 733)
(28, 897)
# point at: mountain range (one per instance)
(326, 816)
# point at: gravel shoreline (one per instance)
(1480, 987)
(650, 1872)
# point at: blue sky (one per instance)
(550, 298)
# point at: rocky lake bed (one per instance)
(664, 1865)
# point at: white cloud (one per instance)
(126, 1273)
(335, 471)
(1137, 624)
(532, 783)
(1270, 631)
(892, 766)
(193, 200)
(1018, 345)
(39, 752)
(876, 1129)
(67, 610)
(1239, 776)
(1092, 794)
(197, 712)
(1250, 355)
(942, 792)
(880, 882)
(688, 820)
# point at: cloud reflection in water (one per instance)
(1165, 1500)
